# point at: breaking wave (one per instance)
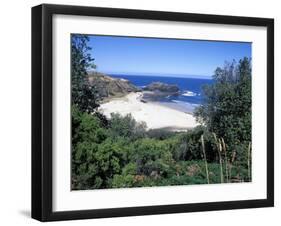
(188, 93)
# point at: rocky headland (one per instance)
(108, 87)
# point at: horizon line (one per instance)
(157, 74)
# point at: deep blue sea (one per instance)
(190, 89)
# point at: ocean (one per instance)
(190, 90)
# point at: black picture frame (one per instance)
(42, 111)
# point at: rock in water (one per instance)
(155, 91)
(170, 89)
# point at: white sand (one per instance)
(155, 115)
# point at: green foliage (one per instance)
(83, 95)
(227, 106)
(160, 134)
(127, 178)
(87, 134)
(123, 181)
(116, 156)
(126, 127)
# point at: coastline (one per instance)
(154, 114)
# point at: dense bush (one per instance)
(126, 127)
(124, 155)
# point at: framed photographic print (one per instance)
(145, 112)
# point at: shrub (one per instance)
(126, 127)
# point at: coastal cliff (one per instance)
(107, 86)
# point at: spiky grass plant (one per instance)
(219, 148)
(231, 164)
(205, 158)
(249, 161)
(225, 160)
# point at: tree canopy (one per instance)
(84, 95)
(226, 109)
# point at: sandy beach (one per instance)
(155, 115)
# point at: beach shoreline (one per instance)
(154, 114)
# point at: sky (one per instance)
(165, 57)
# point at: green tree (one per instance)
(83, 94)
(126, 126)
(227, 105)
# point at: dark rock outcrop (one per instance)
(162, 87)
(107, 86)
(156, 91)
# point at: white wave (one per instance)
(178, 101)
(188, 93)
(184, 103)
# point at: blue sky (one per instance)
(167, 57)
